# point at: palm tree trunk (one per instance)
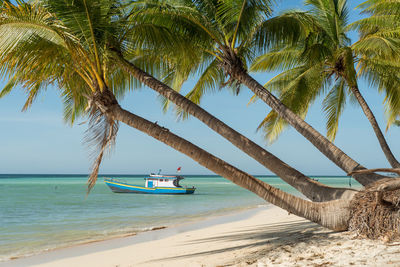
(333, 214)
(327, 148)
(308, 187)
(371, 118)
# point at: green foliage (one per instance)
(311, 65)
(379, 51)
(69, 44)
(323, 42)
(333, 105)
(297, 88)
(218, 31)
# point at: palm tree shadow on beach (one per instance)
(261, 239)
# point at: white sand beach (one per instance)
(260, 237)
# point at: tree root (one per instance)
(375, 212)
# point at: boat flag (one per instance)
(179, 169)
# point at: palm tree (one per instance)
(122, 50)
(227, 35)
(48, 46)
(322, 59)
(75, 105)
(310, 188)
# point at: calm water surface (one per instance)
(42, 212)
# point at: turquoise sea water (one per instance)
(44, 212)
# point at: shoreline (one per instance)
(153, 234)
(263, 236)
(167, 230)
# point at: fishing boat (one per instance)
(154, 184)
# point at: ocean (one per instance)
(44, 212)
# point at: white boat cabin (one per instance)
(155, 180)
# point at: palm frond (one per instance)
(384, 75)
(74, 102)
(297, 88)
(285, 29)
(333, 106)
(211, 78)
(100, 138)
(8, 87)
(286, 58)
(272, 126)
(376, 44)
(379, 7)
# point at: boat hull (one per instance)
(119, 187)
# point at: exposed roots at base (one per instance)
(376, 214)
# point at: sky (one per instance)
(39, 142)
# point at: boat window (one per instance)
(161, 180)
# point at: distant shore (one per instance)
(265, 236)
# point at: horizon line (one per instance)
(189, 174)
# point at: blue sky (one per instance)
(38, 141)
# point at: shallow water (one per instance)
(42, 212)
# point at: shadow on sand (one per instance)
(261, 239)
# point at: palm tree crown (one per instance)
(64, 43)
(322, 61)
(236, 30)
(378, 51)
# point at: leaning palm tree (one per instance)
(53, 48)
(122, 51)
(227, 35)
(322, 60)
(122, 36)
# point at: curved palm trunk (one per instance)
(310, 188)
(371, 118)
(333, 214)
(327, 148)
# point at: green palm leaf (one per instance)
(333, 105)
(298, 88)
(285, 58)
(8, 87)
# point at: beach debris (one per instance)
(158, 228)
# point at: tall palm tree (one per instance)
(227, 35)
(62, 44)
(322, 59)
